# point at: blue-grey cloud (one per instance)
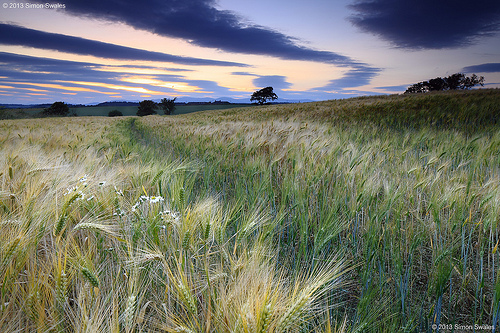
(243, 74)
(483, 68)
(428, 24)
(278, 82)
(356, 77)
(394, 88)
(16, 35)
(202, 24)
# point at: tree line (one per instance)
(456, 81)
(145, 108)
(148, 107)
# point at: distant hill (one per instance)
(24, 106)
(34, 106)
(118, 103)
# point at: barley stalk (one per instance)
(128, 314)
(90, 277)
(207, 231)
(61, 288)
(182, 197)
(10, 252)
(292, 316)
(59, 226)
(265, 319)
(32, 302)
(186, 239)
(188, 299)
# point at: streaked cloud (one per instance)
(21, 36)
(19, 71)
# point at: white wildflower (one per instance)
(154, 199)
(119, 192)
(71, 190)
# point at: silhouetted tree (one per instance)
(263, 95)
(57, 109)
(168, 105)
(452, 82)
(146, 108)
(473, 80)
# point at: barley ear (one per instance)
(292, 315)
(182, 197)
(59, 226)
(128, 314)
(188, 299)
(90, 277)
(61, 288)
(185, 240)
(265, 319)
(10, 252)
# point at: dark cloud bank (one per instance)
(202, 24)
(428, 24)
(16, 35)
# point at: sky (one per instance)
(91, 51)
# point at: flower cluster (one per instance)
(147, 199)
(82, 184)
(75, 190)
(153, 206)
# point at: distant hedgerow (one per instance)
(115, 113)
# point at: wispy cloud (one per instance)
(428, 24)
(16, 35)
(483, 68)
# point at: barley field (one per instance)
(372, 214)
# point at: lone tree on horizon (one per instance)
(263, 95)
(168, 105)
(57, 109)
(453, 82)
(146, 108)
